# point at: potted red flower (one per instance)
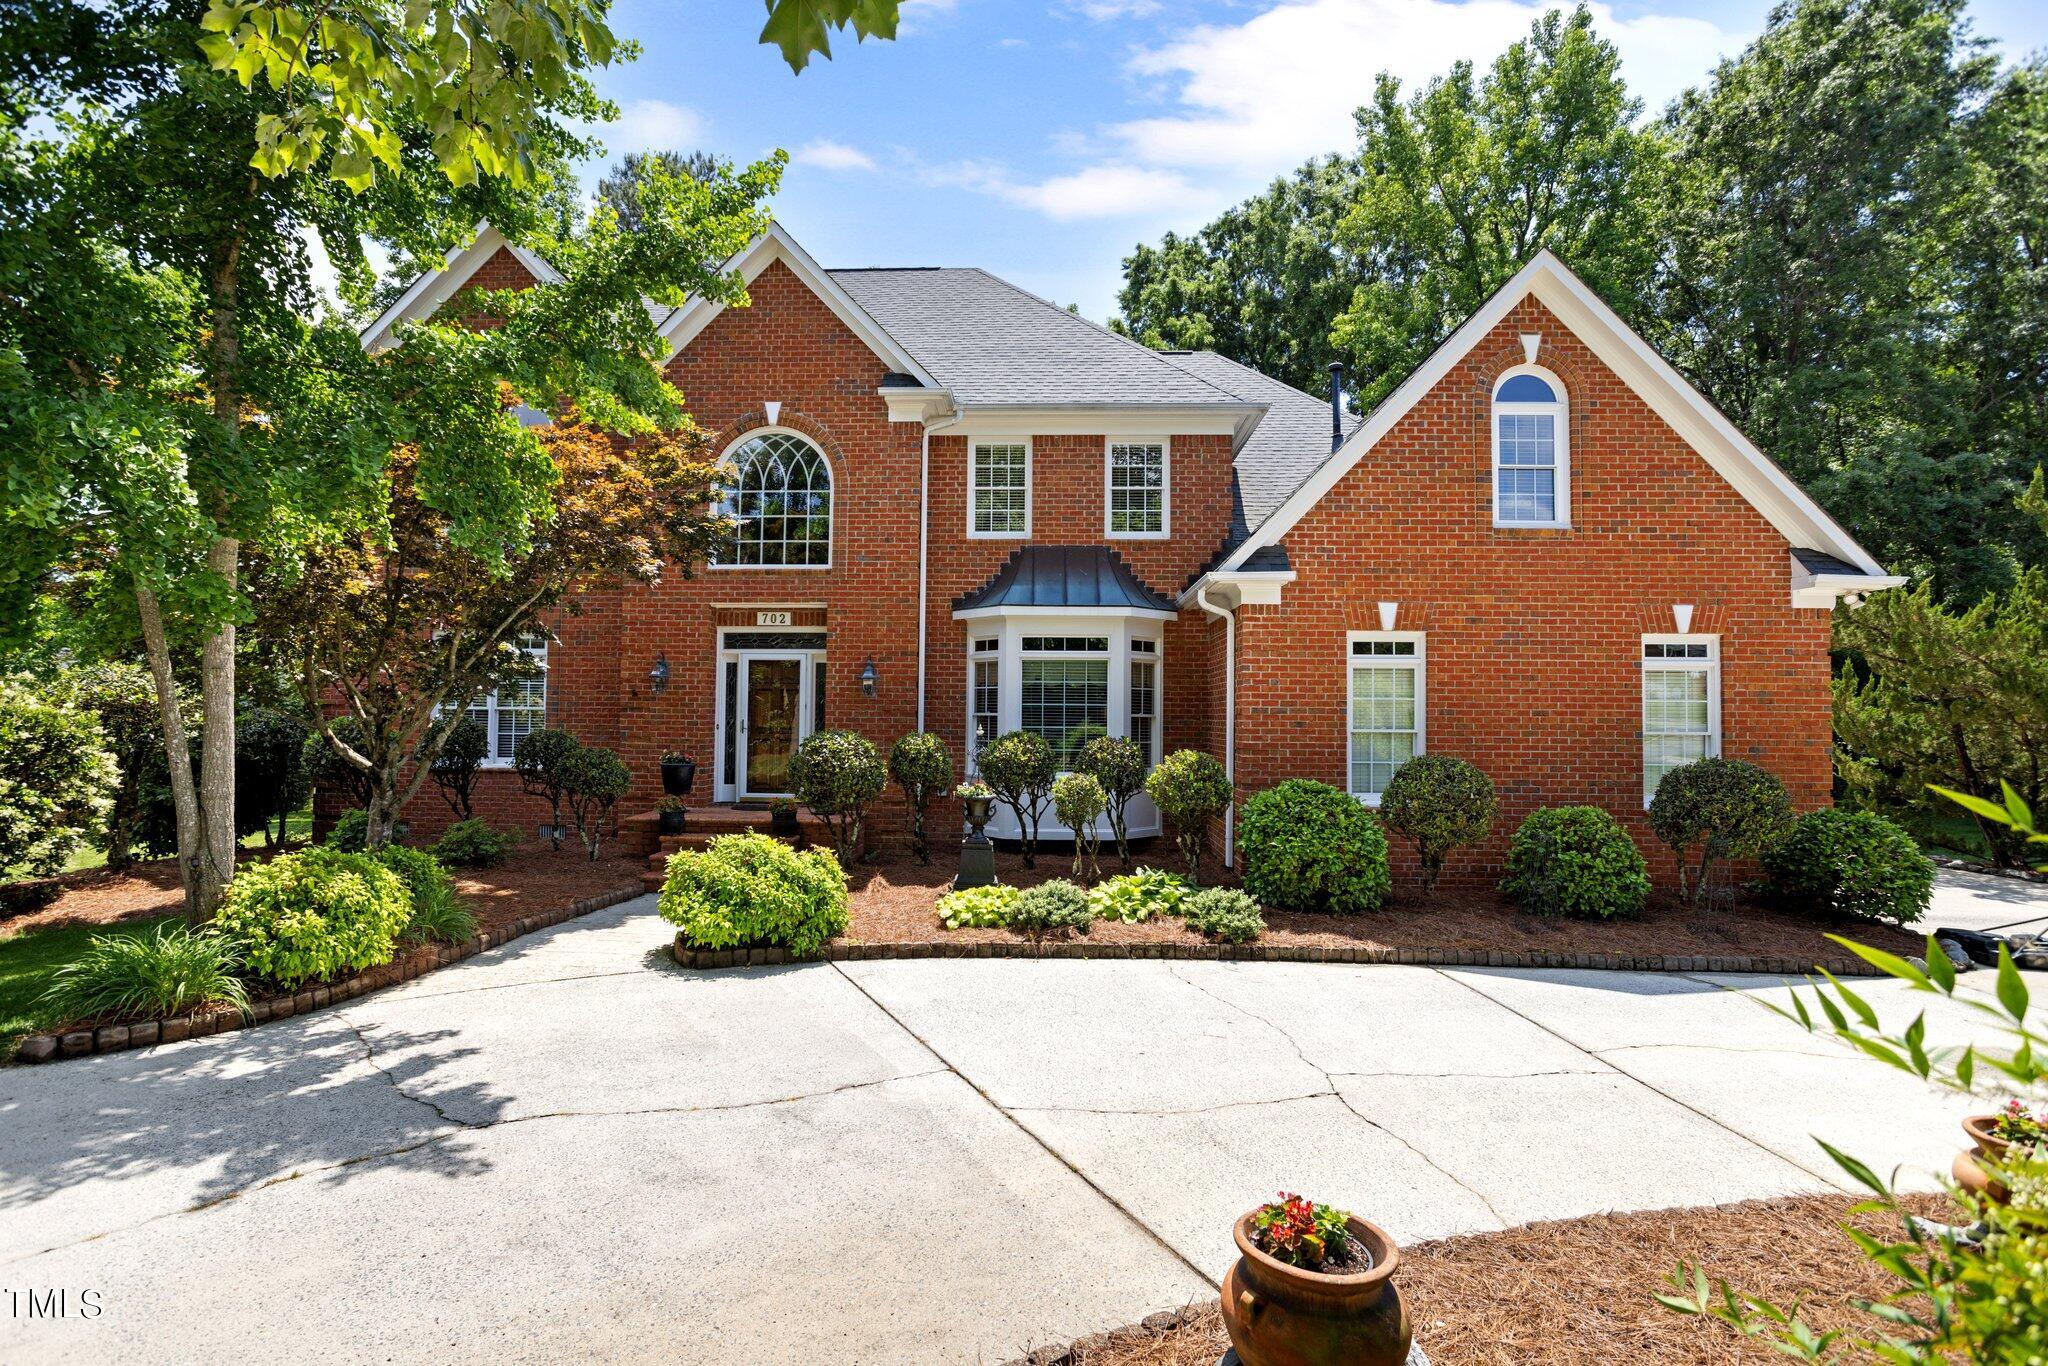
(1314, 1286)
(1991, 1138)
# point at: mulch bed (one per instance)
(1578, 1290)
(893, 902)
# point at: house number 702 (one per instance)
(771, 618)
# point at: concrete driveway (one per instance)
(568, 1148)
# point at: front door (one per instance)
(771, 714)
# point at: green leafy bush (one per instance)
(57, 780)
(542, 759)
(1052, 910)
(146, 977)
(456, 767)
(838, 774)
(1116, 762)
(351, 833)
(1190, 789)
(122, 696)
(750, 891)
(1576, 861)
(593, 780)
(1078, 800)
(1224, 913)
(1140, 896)
(437, 913)
(1438, 803)
(1851, 863)
(1308, 846)
(1728, 808)
(315, 914)
(473, 844)
(1020, 767)
(978, 907)
(923, 767)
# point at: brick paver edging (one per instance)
(78, 1043)
(1967, 866)
(1276, 953)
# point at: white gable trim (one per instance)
(437, 287)
(1752, 474)
(681, 327)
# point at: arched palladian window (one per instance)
(1532, 482)
(780, 502)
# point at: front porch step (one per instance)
(705, 824)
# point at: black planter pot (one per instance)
(671, 822)
(782, 822)
(678, 776)
(978, 812)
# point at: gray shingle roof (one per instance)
(1820, 562)
(1291, 440)
(1064, 576)
(989, 342)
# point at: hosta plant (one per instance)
(978, 907)
(1300, 1232)
(1138, 896)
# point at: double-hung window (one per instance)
(985, 695)
(1681, 704)
(1144, 722)
(1532, 484)
(1137, 500)
(999, 488)
(1065, 692)
(1387, 707)
(515, 707)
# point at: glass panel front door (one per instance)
(773, 710)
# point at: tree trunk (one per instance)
(200, 897)
(217, 739)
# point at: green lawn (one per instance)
(297, 827)
(26, 962)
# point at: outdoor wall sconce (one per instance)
(658, 675)
(869, 679)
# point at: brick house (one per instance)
(963, 509)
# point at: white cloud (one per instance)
(827, 155)
(1104, 10)
(1111, 190)
(1013, 42)
(653, 126)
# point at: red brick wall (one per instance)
(1533, 650)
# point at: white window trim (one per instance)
(1165, 445)
(1418, 663)
(489, 702)
(974, 445)
(1561, 410)
(831, 535)
(993, 658)
(1710, 666)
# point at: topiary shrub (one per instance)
(437, 913)
(1190, 789)
(593, 780)
(1140, 896)
(1308, 846)
(1576, 861)
(314, 915)
(978, 907)
(473, 844)
(750, 891)
(456, 767)
(923, 767)
(837, 774)
(542, 759)
(1020, 767)
(1728, 808)
(1224, 913)
(1078, 800)
(57, 780)
(1116, 762)
(1850, 863)
(351, 833)
(1438, 803)
(145, 977)
(1052, 910)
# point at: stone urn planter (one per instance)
(1967, 1169)
(678, 774)
(1281, 1315)
(977, 855)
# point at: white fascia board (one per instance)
(1106, 419)
(1825, 590)
(426, 294)
(1260, 588)
(1717, 440)
(776, 244)
(982, 613)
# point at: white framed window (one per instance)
(1063, 692)
(1144, 714)
(780, 503)
(1387, 707)
(999, 488)
(1532, 480)
(1135, 503)
(1681, 704)
(513, 709)
(984, 696)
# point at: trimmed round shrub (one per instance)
(1078, 800)
(1725, 807)
(1851, 863)
(351, 833)
(837, 774)
(1438, 803)
(750, 891)
(978, 907)
(437, 913)
(1052, 910)
(1224, 913)
(1020, 766)
(1190, 789)
(145, 977)
(1576, 861)
(1308, 846)
(315, 914)
(1140, 896)
(923, 767)
(473, 844)
(1116, 762)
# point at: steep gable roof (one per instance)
(436, 287)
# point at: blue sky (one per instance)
(1042, 139)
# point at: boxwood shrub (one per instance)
(1052, 910)
(1850, 863)
(1438, 802)
(1576, 861)
(1308, 846)
(315, 914)
(750, 891)
(1224, 913)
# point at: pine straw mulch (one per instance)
(532, 879)
(1578, 1290)
(894, 902)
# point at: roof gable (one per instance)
(425, 296)
(1786, 506)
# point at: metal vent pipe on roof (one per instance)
(1336, 404)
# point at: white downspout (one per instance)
(924, 502)
(1229, 716)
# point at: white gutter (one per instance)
(1229, 715)
(924, 502)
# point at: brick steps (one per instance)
(705, 824)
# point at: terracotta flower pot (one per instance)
(1967, 1170)
(1280, 1315)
